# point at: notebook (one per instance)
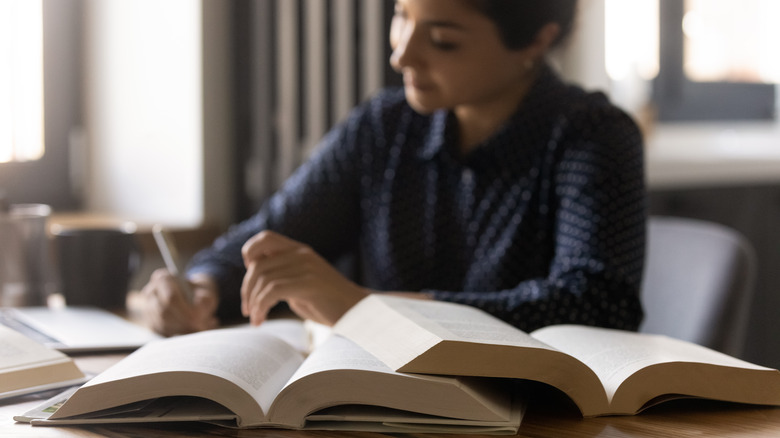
(76, 329)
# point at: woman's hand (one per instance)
(169, 312)
(281, 269)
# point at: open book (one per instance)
(27, 366)
(261, 377)
(603, 371)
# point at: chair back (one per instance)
(698, 283)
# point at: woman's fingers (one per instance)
(260, 253)
(169, 312)
(281, 269)
(270, 281)
(266, 243)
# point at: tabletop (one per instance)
(549, 415)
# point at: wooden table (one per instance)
(552, 416)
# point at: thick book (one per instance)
(248, 377)
(603, 371)
(27, 366)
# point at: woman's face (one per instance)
(452, 56)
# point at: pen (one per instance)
(170, 257)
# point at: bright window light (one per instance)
(732, 41)
(631, 34)
(21, 80)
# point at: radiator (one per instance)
(313, 61)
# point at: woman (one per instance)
(485, 181)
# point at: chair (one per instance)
(698, 283)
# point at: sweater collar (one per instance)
(533, 114)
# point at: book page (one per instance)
(615, 355)
(248, 356)
(336, 352)
(435, 337)
(18, 351)
(25, 363)
(374, 419)
(255, 362)
(398, 330)
(294, 332)
(339, 371)
(456, 322)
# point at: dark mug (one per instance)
(96, 265)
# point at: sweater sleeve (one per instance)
(317, 205)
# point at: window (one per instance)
(728, 41)
(631, 51)
(631, 36)
(21, 80)
(695, 60)
(39, 128)
(717, 60)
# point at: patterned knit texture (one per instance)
(544, 223)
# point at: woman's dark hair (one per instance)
(519, 21)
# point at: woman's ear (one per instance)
(544, 40)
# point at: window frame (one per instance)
(50, 179)
(677, 98)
